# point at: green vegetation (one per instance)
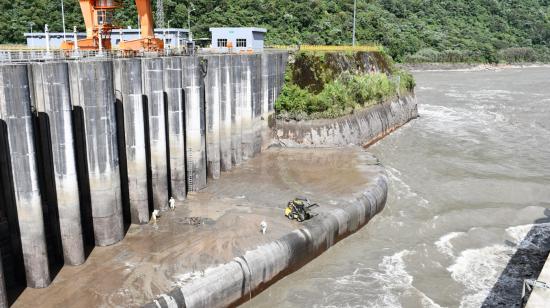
(411, 30)
(329, 85)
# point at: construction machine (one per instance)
(300, 209)
(98, 18)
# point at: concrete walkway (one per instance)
(540, 297)
(210, 228)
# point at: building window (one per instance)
(222, 42)
(168, 41)
(241, 42)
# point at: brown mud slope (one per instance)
(221, 223)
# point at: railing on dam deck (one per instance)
(23, 55)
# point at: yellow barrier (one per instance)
(365, 48)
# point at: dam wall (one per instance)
(88, 147)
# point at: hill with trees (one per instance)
(411, 30)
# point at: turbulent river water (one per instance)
(467, 216)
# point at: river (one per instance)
(467, 216)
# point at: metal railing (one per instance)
(32, 55)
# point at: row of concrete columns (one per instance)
(240, 97)
(137, 129)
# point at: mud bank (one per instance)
(248, 274)
(361, 128)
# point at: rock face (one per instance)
(360, 128)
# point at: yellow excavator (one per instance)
(98, 18)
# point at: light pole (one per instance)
(63, 19)
(354, 11)
(190, 9)
(169, 33)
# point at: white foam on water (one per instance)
(525, 236)
(391, 277)
(444, 244)
(479, 269)
(402, 189)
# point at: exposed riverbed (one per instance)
(467, 208)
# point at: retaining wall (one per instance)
(360, 128)
(90, 146)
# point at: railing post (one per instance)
(46, 31)
(100, 39)
(75, 39)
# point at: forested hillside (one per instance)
(411, 30)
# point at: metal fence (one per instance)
(32, 55)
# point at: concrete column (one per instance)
(236, 110)
(246, 111)
(212, 104)
(225, 112)
(173, 86)
(128, 89)
(15, 111)
(153, 88)
(265, 71)
(3, 294)
(257, 118)
(92, 91)
(195, 124)
(52, 96)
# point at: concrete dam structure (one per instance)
(88, 147)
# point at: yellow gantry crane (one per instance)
(98, 18)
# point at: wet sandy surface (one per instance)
(150, 261)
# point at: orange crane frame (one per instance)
(98, 20)
(148, 41)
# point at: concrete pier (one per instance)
(173, 86)
(225, 112)
(256, 87)
(195, 124)
(266, 85)
(236, 110)
(93, 94)
(212, 104)
(15, 111)
(3, 294)
(153, 88)
(128, 89)
(51, 96)
(247, 133)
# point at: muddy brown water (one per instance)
(467, 216)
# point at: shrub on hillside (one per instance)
(342, 96)
(517, 54)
